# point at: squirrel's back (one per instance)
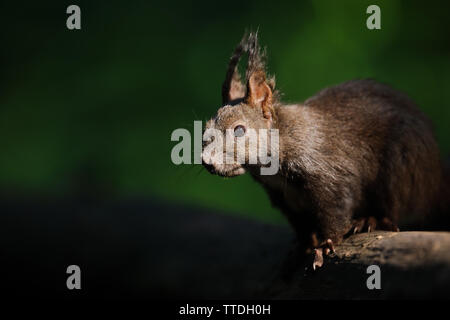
(372, 139)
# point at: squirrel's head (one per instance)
(247, 115)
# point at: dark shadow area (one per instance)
(135, 249)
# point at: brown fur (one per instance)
(357, 149)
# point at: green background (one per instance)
(93, 110)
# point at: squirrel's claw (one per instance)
(318, 258)
(371, 224)
(325, 249)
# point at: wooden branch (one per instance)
(412, 265)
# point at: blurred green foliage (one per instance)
(107, 97)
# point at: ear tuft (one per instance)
(259, 91)
(232, 87)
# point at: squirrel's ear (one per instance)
(232, 87)
(259, 93)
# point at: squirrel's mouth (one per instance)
(224, 170)
(234, 172)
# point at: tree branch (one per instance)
(412, 264)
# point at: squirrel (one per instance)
(356, 157)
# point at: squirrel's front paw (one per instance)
(371, 224)
(324, 249)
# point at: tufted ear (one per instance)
(259, 93)
(234, 90)
(232, 87)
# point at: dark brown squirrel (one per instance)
(358, 156)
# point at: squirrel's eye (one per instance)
(239, 131)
